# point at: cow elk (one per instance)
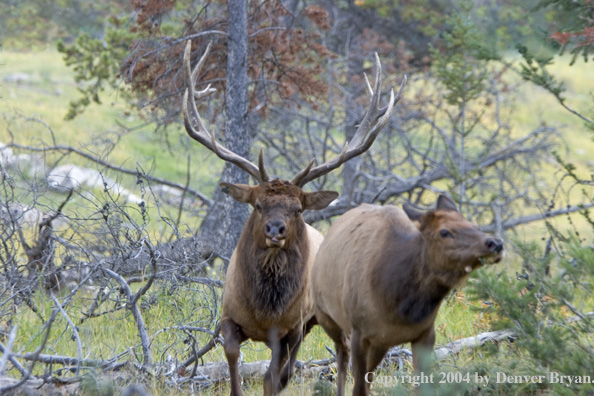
(267, 294)
(381, 275)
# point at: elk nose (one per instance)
(275, 229)
(495, 245)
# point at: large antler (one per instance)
(195, 127)
(372, 123)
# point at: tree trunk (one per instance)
(224, 220)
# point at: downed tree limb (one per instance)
(17, 384)
(456, 347)
(218, 371)
(38, 387)
(66, 360)
(212, 373)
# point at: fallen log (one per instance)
(212, 373)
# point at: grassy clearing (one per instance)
(43, 99)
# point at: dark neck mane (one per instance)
(410, 286)
(273, 277)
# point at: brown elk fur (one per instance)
(267, 288)
(381, 275)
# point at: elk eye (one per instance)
(298, 212)
(258, 207)
(445, 234)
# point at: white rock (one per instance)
(6, 155)
(72, 177)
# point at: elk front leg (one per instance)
(422, 350)
(233, 336)
(295, 344)
(281, 350)
(271, 378)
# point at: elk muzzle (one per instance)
(495, 246)
(275, 232)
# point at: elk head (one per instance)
(458, 245)
(278, 206)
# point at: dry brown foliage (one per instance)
(285, 53)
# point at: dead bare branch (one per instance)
(135, 310)
(536, 217)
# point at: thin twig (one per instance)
(7, 351)
(133, 307)
(74, 331)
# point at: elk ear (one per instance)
(319, 200)
(445, 203)
(239, 192)
(412, 213)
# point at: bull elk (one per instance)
(267, 294)
(389, 270)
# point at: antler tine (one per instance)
(374, 120)
(380, 121)
(200, 63)
(373, 109)
(193, 123)
(298, 179)
(263, 173)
